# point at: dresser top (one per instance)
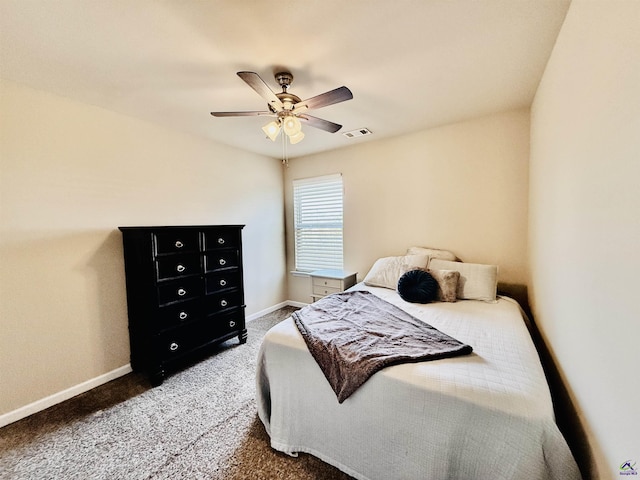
(332, 273)
(163, 227)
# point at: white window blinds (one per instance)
(317, 211)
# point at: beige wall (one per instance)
(70, 175)
(461, 187)
(585, 221)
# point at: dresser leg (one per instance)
(157, 378)
(243, 336)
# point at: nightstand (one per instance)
(325, 282)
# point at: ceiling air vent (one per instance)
(360, 132)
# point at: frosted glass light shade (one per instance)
(272, 129)
(296, 138)
(292, 125)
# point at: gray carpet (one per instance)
(201, 423)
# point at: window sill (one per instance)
(297, 273)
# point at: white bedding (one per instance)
(487, 415)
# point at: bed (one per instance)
(486, 415)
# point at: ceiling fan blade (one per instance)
(254, 81)
(242, 114)
(337, 95)
(320, 123)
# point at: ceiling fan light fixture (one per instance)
(272, 129)
(286, 107)
(296, 138)
(292, 125)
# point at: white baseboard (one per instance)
(60, 397)
(291, 303)
(71, 392)
(288, 303)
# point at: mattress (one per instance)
(487, 415)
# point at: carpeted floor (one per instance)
(201, 423)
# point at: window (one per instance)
(317, 213)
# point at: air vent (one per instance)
(360, 132)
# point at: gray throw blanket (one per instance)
(352, 335)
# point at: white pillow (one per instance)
(387, 271)
(433, 253)
(476, 282)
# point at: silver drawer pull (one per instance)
(180, 268)
(223, 303)
(183, 315)
(174, 346)
(179, 244)
(221, 241)
(182, 292)
(223, 282)
(222, 261)
(232, 323)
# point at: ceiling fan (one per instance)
(288, 108)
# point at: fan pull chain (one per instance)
(285, 152)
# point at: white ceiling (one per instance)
(411, 64)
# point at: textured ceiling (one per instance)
(410, 64)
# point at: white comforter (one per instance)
(487, 415)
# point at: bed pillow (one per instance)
(433, 253)
(477, 282)
(447, 284)
(386, 271)
(418, 286)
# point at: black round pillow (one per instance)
(418, 286)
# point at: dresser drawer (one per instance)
(221, 259)
(221, 238)
(220, 302)
(170, 266)
(180, 313)
(322, 291)
(327, 282)
(177, 290)
(177, 241)
(172, 344)
(225, 324)
(222, 281)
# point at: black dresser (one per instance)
(184, 293)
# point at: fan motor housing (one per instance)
(288, 97)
